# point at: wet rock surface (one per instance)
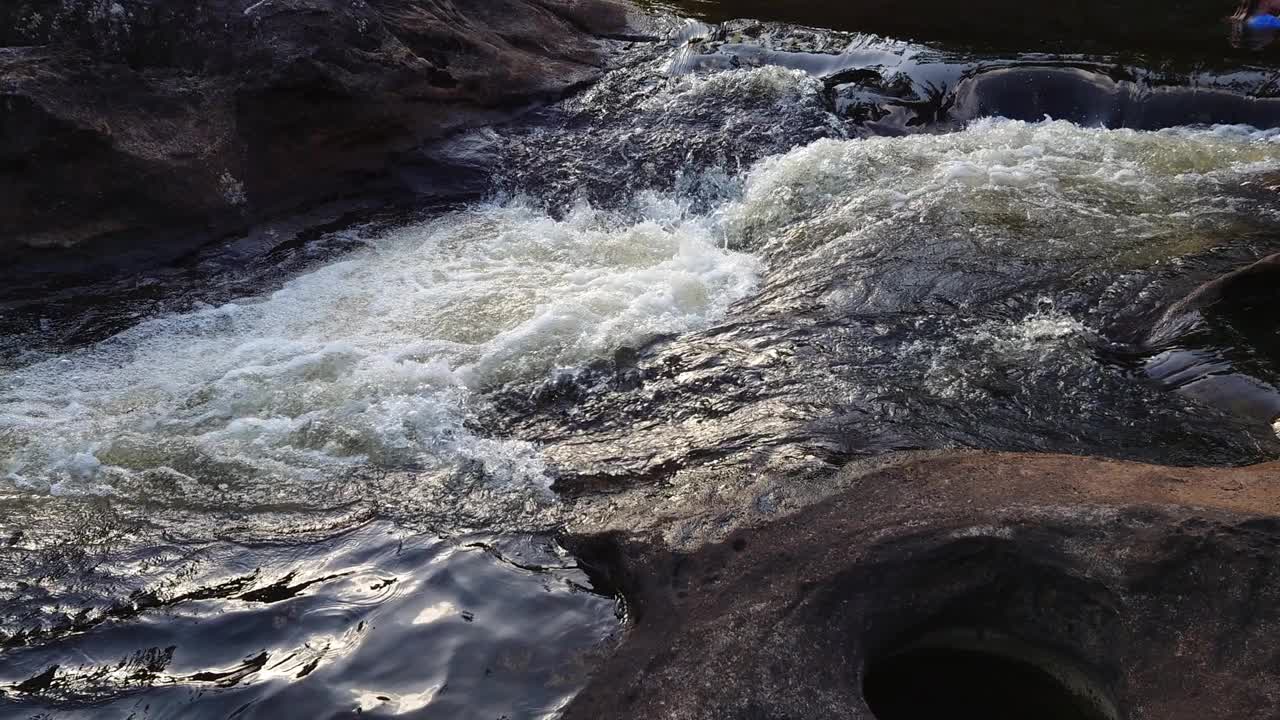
(888, 86)
(1220, 344)
(1108, 96)
(1138, 591)
(1239, 297)
(123, 118)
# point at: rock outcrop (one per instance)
(1182, 27)
(123, 116)
(1113, 97)
(1109, 590)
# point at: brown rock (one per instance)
(968, 585)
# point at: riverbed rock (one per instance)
(1220, 344)
(1244, 298)
(1113, 97)
(1139, 592)
(121, 117)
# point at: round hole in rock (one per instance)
(965, 675)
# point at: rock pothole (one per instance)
(980, 674)
(960, 586)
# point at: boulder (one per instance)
(1113, 97)
(962, 585)
(127, 116)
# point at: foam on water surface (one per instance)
(370, 361)
(1042, 343)
(1046, 189)
(376, 361)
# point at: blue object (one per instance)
(1263, 22)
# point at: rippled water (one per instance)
(318, 472)
(374, 621)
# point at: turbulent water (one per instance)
(749, 255)
(371, 361)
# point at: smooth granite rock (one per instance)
(1149, 593)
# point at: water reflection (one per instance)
(927, 291)
(377, 621)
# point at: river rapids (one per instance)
(327, 476)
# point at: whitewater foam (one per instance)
(376, 362)
(1047, 189)
(373, 360)
(768, 84)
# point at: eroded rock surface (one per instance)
(123, 116)
(1148, 592)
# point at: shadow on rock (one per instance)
(121, 118)
(1106, 590)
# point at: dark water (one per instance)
(374, 621)
(1179, 28)
(305, 472)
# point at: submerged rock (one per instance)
(1111, 590)
(1220, 344)
(121, 117)
(1114, 97)
(1242, 297)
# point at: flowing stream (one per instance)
(324, 477)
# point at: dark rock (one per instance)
(1221, 343)
(1246, 298)
(119, 117)
(1088, 97)
(1132, 591)
(39, 683)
